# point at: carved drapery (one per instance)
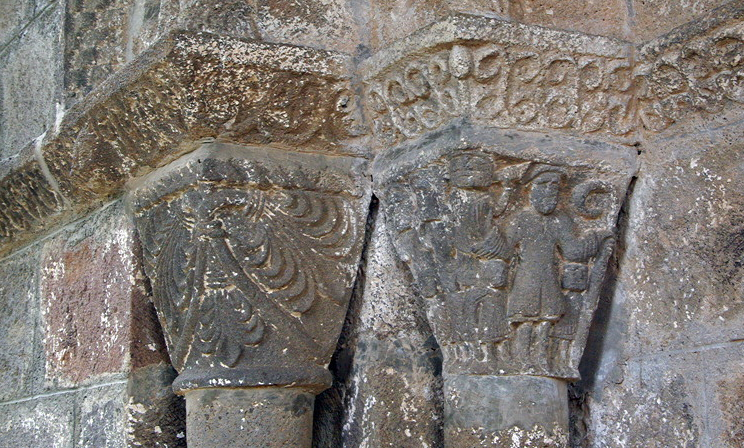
(507, 236)
(508, 248)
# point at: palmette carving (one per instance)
(509, 255)
(505, 86)
(251, 267)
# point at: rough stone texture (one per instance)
(601, 17)
(89, 280)
(195, 86)
(30, 81)
(664, 366)
(694, 74)
(95, 43)
(652, 18)
(247, 417)
(102, 418)
(505, 411)
(500, 74)
(47, 422)
(390, 364)
(509, 252)
(19, 325)
(156, 417)
(675, 324)
(228, 234)
(29, 201)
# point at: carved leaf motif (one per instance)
(229, 262)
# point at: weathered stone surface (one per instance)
(95, 43)
(90, 282)
(491, 211)
(101, 417)
(30, 82)
(228, 234)
(672, 344)
(258, 416)
(653, 18)
(156, 417)
(42, 422)
(507, 235)
(195, 86)
(693, 74)
(685, 243)
(28, 200)
(102, 36)
(392, 392)
(658, 402)
(604, 18)
(500, 74)
(13, 16)
(505, 411)
(725, 387)
(19, 324)
(392, 20)
(329, 24)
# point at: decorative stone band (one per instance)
(507, 236)
(186, 88)
(515, 76)
(252, 254)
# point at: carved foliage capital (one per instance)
(252, 257)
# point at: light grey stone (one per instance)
(47, 422)
(102, 417)
(30, 82)
(21, 355)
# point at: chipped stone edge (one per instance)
(31, 218)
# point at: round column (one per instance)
(490, 410)
(249, 417)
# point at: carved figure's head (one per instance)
(544, 193)
(471, 170)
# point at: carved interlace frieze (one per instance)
(252, 255)
(508, 244)
(504, 75)
(702, 74)
(515, 76)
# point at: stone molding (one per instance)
(509, 75)
(187, 88)
(252, 254)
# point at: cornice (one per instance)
(187, 88)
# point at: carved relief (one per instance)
(27, 202)
(700, 75)
(251, 264)
(509, 254)
(505, 85)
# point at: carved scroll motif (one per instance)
(247, 274)
(510, 255)
(703, 75)
(505, 86)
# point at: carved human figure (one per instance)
(534, 240)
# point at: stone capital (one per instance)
(507, 235)
(252, 254)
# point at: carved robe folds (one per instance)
(507, 235)
(252, 254)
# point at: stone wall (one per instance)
(154, 150)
